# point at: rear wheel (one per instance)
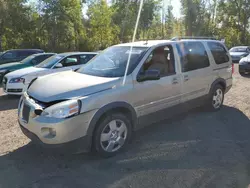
(216, 98)
(112, 134)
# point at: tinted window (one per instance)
(40, 58)
(25, 53)
(9, 55)
(193, 56)
(86, 57)
(219, 52)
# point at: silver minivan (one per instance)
(99, 107)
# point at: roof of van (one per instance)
(150, 43)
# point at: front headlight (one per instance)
(17, 80)
(3, 71)
(63, 110)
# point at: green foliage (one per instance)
(102, 31)
(60, 25)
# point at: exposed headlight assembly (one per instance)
(63, 110)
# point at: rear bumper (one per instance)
(82, 144)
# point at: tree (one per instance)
(63, 22)
(102, 31)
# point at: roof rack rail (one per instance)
(193, 37)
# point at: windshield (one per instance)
(112, 62)
(48, 63)
(28, 59)
(238, 50)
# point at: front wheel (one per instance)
(242, 73)
(216, 98)
(112, 134)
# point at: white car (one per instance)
(16, 82)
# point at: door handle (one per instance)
(175, 81)
(186, 78)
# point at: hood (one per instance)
(69, 84)
(245, 59)
(14, 66)
(23, 72)
(237, 53)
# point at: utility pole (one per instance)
(163, 19)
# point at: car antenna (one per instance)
(133, 40)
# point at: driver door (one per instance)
(154, 95)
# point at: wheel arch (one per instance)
(112, 107)
(218, 81)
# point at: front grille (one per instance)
(26, 112)
(14, 90)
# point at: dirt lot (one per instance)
(197, 149)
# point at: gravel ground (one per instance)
(196, 149)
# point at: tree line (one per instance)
(89, 25)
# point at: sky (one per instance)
(176, 8)
(175, 3)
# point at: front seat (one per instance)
(159, 62)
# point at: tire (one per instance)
(242, 73)
(216, 98)
(112, 134)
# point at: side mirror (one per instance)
(149, 75)
(59, 65)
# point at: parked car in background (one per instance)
(94, 108)
(17, 55)
(239, 52)
(244, 65)
(29, 61)
(15, 83)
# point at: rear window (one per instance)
(219, 52)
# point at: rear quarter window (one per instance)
(219, 52)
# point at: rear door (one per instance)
(196, 70)
(221, 58)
